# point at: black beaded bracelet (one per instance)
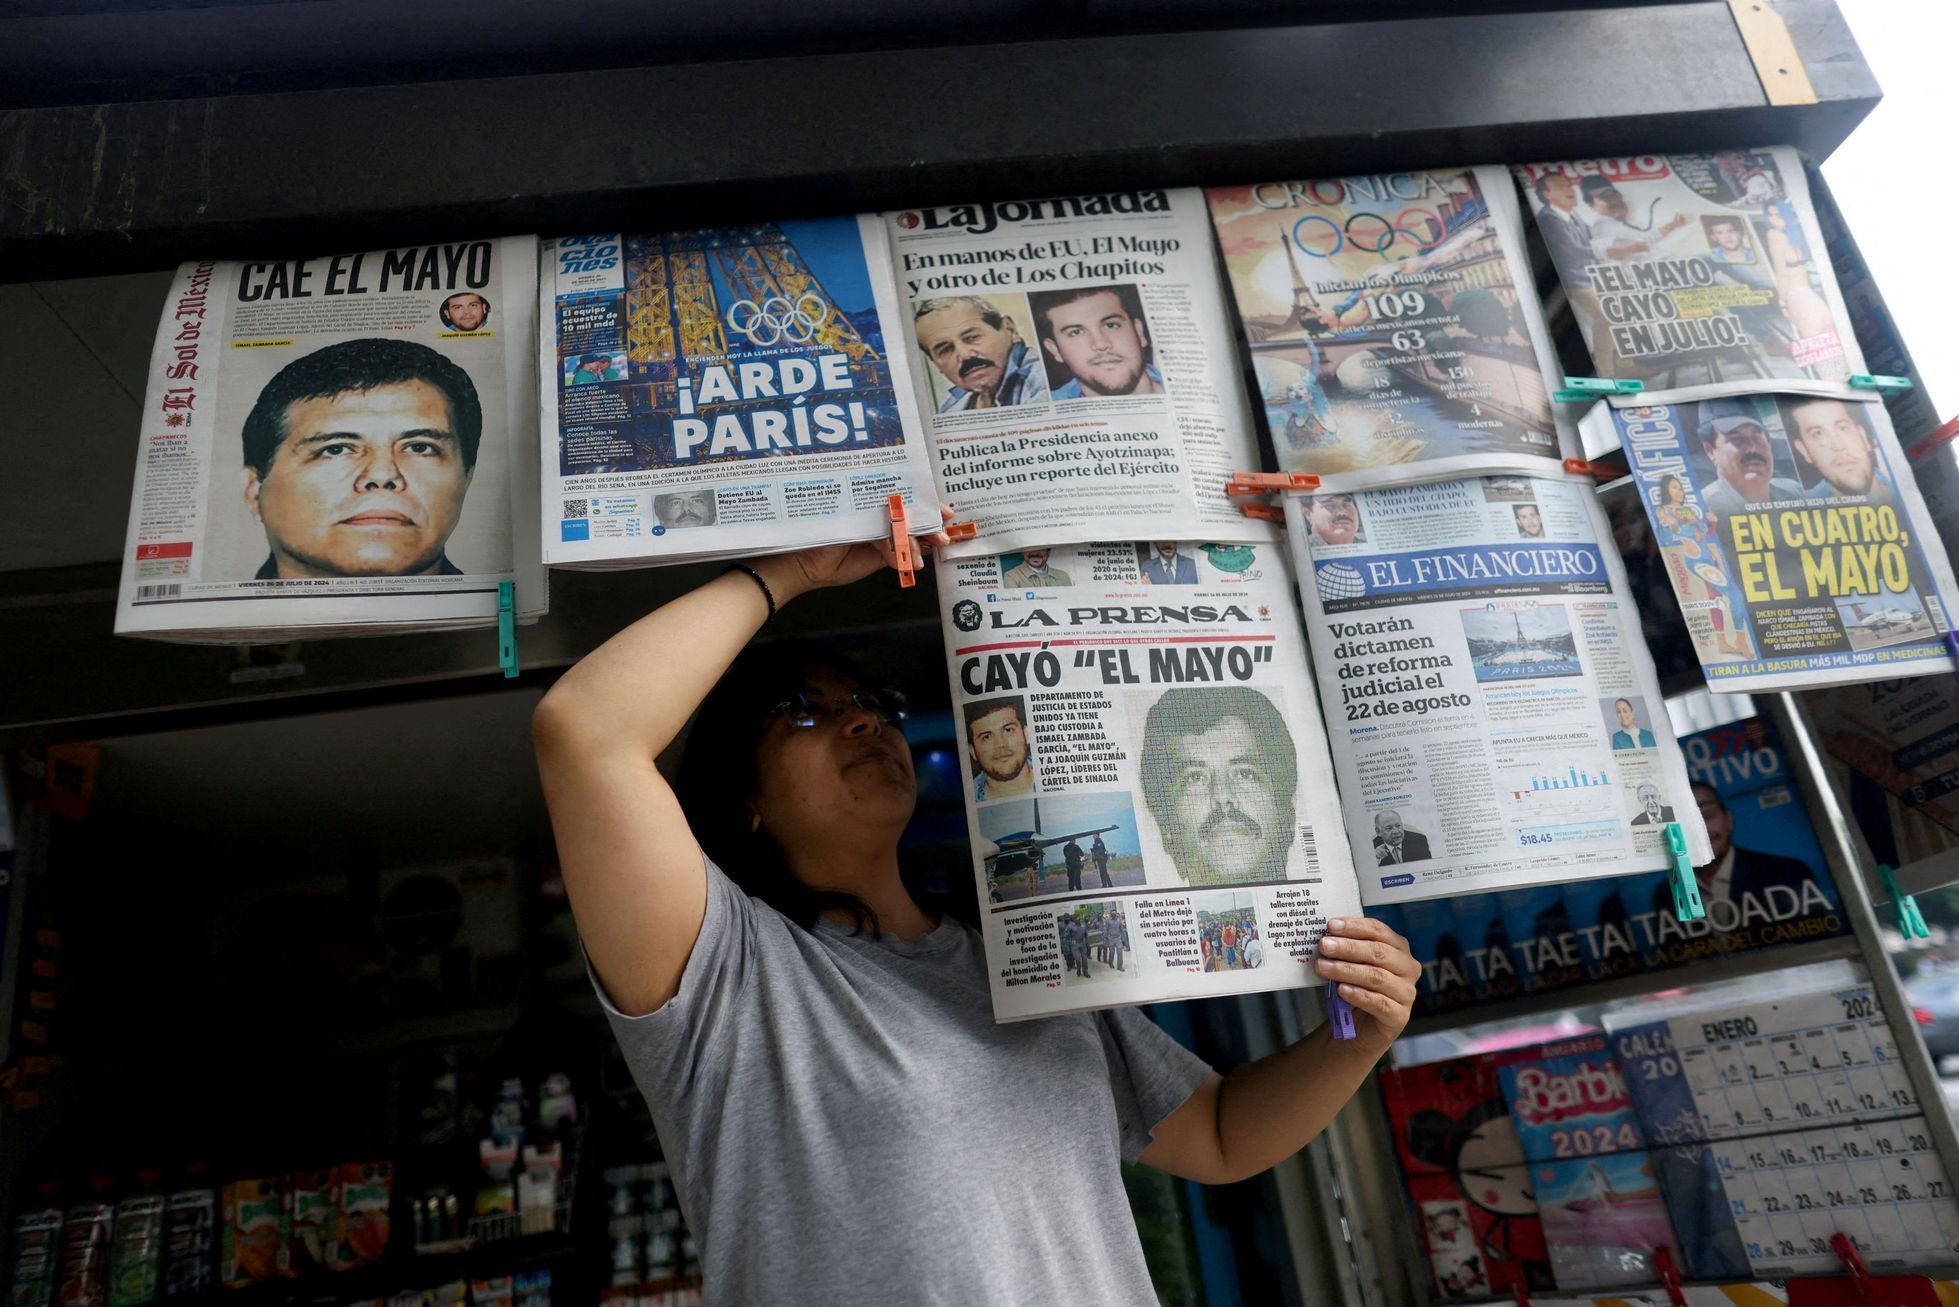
(756, 577)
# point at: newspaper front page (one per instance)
(338, 446)
(1697, 275)
(1148, 788)
(1076, 368)
(1895, 749)
(723, 392)
(1492, 711)
(1794, 537)
(1394, 331)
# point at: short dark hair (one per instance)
(447, 321)
(717, 775)
(1191, 710)
(359, 365)
(1045, 302)
(979, 708)
(1719, 802)
(1543, 183)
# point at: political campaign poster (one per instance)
(1393, 328)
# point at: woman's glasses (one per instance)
(804, 711)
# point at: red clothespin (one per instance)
(1586, 468)
(1859, 1288)
(904, 555)
(1512, 1277)
(1264, 512)
(1266, 483)
(1943, 434)
(1669, 1276)
(962, 530)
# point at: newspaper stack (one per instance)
(338, 446)
(724, 392)
(1392, 326)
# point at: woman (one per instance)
(1788, 251)
(818, 1048)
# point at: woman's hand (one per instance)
(1375, 972)
(798, 573)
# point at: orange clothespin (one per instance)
(1266, 483)
(1669, 1276)
(962, 530)
(1264, 512)
(1587, 468)
(904, 555)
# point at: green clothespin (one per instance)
(1910, 920)
(507, 627)
(1883, 385)
(1579, 389)
(1687, 905)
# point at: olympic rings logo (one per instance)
(777, 318)
(1368, 232)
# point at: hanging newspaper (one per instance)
(338, 446)
(1697, 275)
(1392, 324)
(1150, 799)
(723, 392)
(1493, 713)
(1794, 536)
(1076, 367)
(1895, 749)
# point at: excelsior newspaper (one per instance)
(1493, 713)
(338, 446)
(1393, 327)
(723, 392)
(1077, 374)
(1148, 788)
(1697, 275)
(1794, 536)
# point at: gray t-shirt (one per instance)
(846, 1123)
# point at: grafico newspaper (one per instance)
(1148, 787)
(1076, 369)
(1492, 708)
(338, 445)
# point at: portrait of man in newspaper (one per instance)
(465, 311)
(1395, 841)
(1218, 773)
(357, 458)
(1335, 519)
(1738, 445)
(1164, 563)
(1097, 342)
(1036, 570)
(1834, 443)
(1530, 521)
(683, 508)
(976, 346)
(1652, 810)
(997, 743)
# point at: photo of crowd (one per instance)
(1227, 932)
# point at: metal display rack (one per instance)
(137, 134)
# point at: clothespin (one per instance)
(1943, 434)
(1339, 1013)
(507, 627)
(1577, 390)
(961, 530)
(1952, 644)
(1267, 483)
(1911, 922)
(1883, 385)
(1512, 1276)
(1596, 471)
(1859, 1286)
(1687, 904)
(1669, 1276)
(1264, 512)
(904, 557)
